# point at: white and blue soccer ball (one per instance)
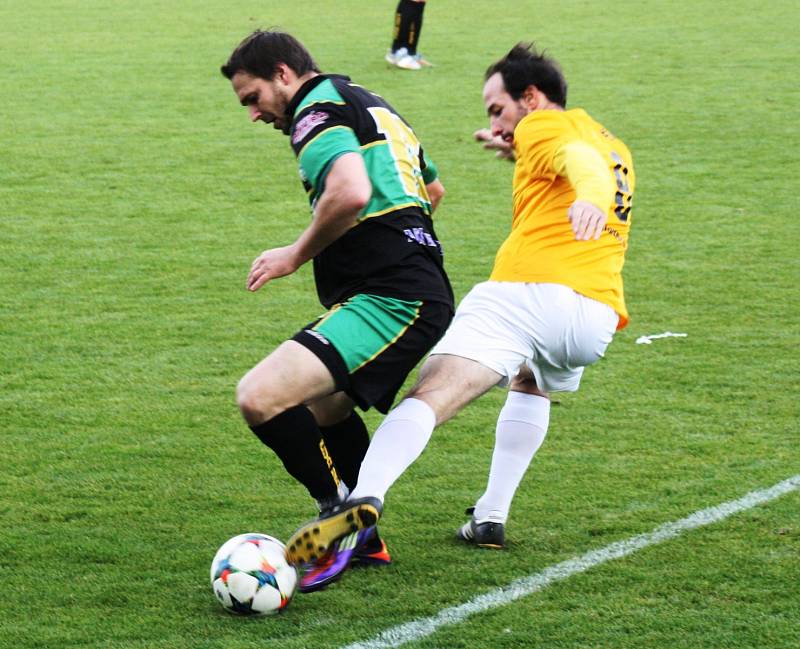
(250, 575)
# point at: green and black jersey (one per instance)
(393, 250)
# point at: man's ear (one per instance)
(282, 73)
(530, 97)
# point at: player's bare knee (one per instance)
(428, 391)
(415, 391)
(254, 403)
(433, 377)
(526, 385)
(437, 398)
(248, 404)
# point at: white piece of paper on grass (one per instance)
(648, 340)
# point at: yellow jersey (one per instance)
(542, 246)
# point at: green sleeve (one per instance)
(319, 154)
(430, 172)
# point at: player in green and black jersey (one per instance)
(377, 265)
(392, 251)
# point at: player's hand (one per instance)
(271, 264)
(587, 220)
(504, 150)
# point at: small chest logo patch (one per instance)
(307, 124)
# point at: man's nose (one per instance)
(255, 114)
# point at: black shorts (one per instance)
(371, 343)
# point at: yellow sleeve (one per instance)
(587, 172)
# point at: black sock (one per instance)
(407, 25)
(297, 441)
(347, 443)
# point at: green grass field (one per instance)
(134, 194)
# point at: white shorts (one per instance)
(549, 328)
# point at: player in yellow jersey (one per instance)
(550, 308)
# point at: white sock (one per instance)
(399, 440)
(521, 428)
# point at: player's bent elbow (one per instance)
(361, 199)
(357, 198)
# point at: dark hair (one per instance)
(523, 66)
(260, 53)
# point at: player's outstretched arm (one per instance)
(504, 150)
(347, 191)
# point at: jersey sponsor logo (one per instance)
(615, 233)
(318, 336)
(307, 124)
(421, 237)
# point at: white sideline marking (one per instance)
(423, 627)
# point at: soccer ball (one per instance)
(250, 575)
